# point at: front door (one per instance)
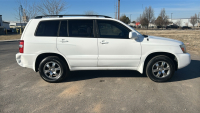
(116, 49)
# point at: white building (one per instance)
(131, 24)
(184, 22)
(17, 24)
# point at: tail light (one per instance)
(21, 46)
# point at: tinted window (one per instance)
(81, 28)
(111, 29)
(47, 28)
(63, 28)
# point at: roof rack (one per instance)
(60, 16)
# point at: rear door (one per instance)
(115, 47)
(77, 42)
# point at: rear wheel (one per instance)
(160, 68)
(53, 69)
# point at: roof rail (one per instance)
(37, 17)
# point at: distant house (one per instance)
(152, 25)
(6, 25)
(131, 24)
(1, 26)
(1, 22)
(17, 24)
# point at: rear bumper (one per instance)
(183, 60)
(26, 60)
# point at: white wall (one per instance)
(184, 22)
(131, 24)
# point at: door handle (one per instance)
(63, 41)
(104, 42)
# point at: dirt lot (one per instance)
(191, 38)
(10, 37)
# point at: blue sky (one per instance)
(179, 8)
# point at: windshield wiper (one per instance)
(145, 36)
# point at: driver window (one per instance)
(111, 29)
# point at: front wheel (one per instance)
(160, 68)
(53, 69)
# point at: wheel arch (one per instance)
(41, 56)
(151, 55)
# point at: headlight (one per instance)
(183, 48)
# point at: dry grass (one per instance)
(10, 37)
(191, 38)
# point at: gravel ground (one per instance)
(22, 90)
(10, 37)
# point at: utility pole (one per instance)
(118, 9)
(130, 18)
(198, 21)
(171, 16)
(20, 15)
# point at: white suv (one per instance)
(54, 46)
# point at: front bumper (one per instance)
(183, 60)
(26, 60)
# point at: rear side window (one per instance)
(63, 29)
(81, 28)
(47, 28)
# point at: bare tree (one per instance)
(90, 13)
(31, 11)
(147, 16)
(138, 19)
(144, 22)
(25, 10)
(193, 19)
(52, 7)
(199, 20)
(178, 22)
(164, 17)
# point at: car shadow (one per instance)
(190, 72)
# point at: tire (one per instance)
(160, 68)
(52, 69)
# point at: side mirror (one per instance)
(133, 35)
